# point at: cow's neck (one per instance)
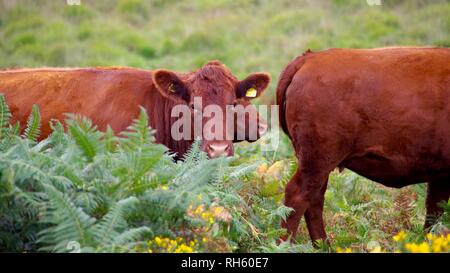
(159, 111)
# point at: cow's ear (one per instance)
(170, 85)
(253, 86)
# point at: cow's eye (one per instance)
(193, 109)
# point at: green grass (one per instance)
(181, 35)
(248, 36)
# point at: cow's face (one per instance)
(210, 90)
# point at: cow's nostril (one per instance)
(218, 149)
(262, 129)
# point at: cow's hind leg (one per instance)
(314, 216)
(437, 192)
(305, 192)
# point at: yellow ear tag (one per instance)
(171, 88)
(251, 93)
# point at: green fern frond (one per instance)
(5, 114)
(33, 129)
(58, 135)
(109, 140)
(193, 153)
(242, 170)
(107, 229)
(14, 130)
(288, 172)
(193, 157)
(141, 162)
(63, 167)
(7, 181)
(25, 170)
(139, 133)
(131, 235)
(8, 136)
(68, 222)
(89, 201)
(85, 135)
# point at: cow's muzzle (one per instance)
(217, 148)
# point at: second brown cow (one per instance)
(383, 113)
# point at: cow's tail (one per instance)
(284, 81)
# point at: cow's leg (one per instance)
(314, 217)
(437, 192)
(320, 146)
(303, 191)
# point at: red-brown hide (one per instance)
(382, 113)
(112, 96)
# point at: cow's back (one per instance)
(388, 110)
(105, 95)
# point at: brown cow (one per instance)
(382, 113)
(112, 96)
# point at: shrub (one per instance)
(91, 191)
(135, 9)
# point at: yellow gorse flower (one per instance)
(217, 211)
(418, 248)
(434, 243)
(376, 249)
(343, 250)
(209, 215)
(183, 248)
(168, 245)
(400, 236)
(439, 243)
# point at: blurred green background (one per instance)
(248, 36)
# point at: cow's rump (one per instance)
(385, 109)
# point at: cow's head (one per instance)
(218, 90)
